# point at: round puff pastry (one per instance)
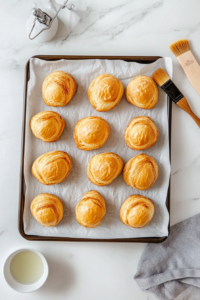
(137, 211)
(141, 133)
(141, 172)
(52, 167)
(142, 92)
(91, 133)
(47, 209)
(103, 168)
(105, 92)
(91, 209)
(58, 88)
(47, 126)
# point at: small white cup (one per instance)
(25, 288)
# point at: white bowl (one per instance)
(25, 288)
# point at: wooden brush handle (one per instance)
(185, 106)
(191, 69)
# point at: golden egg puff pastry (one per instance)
(58, 88)
(103, 168)
(137, 211)
(141, 172)
(141, 133)
(91, 209)
(47, 126)
(47, 209)
(91, 133)
(142, 92)
(52, 167)
(105, 92)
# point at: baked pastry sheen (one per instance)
(137, 211)
(52, 167)
(47, 209)
(103, 168)
(91, 133)
(141, 172)
(91, 209)
(47, 126)
(58, 88)
(141, 133)
(142, 91)
(105, 92)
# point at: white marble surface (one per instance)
(113, 27)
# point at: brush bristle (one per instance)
(180, 47)
(160, 77)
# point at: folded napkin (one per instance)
(171, 270)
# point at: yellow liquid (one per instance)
(26, 267)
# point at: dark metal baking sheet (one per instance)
(138, 59)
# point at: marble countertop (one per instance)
(108, 27)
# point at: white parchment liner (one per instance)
(77, 183)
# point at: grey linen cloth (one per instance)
(171, 270)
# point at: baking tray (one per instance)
(138, 59)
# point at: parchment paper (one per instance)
(77, 183)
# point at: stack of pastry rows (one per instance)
(140, 172)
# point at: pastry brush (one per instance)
(163, 80)
(188, 62)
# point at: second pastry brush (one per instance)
(188, 62)
(163, 80)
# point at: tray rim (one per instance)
(139, 59)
